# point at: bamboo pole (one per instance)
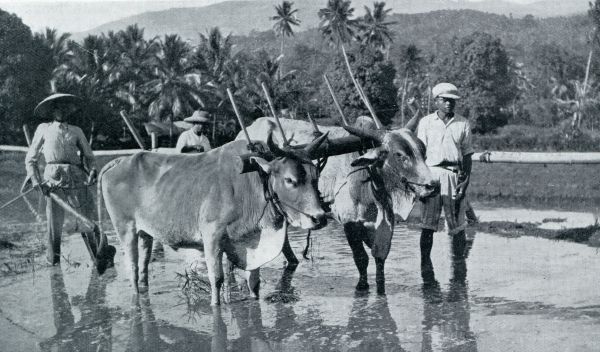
(132, 129)
(361, 92)
(264, 87)
(537, 158)
(335, 101)
(239, 116)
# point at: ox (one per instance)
(202, 201)
(365, 190)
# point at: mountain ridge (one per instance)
(243, 17)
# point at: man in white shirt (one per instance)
(447, 137)
(65, 173)
(194, 140)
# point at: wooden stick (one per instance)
(239, 117)
(27, 134)
(16, 198)
(264, 87)
(361, 92)
(133, 131)
(153, 140)
(314, 124)
(335, 101)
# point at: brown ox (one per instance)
(365, 190)
(202, 201)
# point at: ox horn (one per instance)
(314, 145)
(375, 135)
(274, 148)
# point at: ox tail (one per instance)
(106, 167)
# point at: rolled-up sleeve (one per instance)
(86, 150)
(206, 144)
(181, 142)
(467, 142)
(32, 157)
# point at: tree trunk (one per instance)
(360, 91)
(577, 122)
(280, 62)
(403, 99)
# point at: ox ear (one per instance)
(371, 157)
(262, 163)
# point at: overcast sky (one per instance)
(208, 2)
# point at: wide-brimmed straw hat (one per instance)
(51, 102)
(445, 90)
(198, 116)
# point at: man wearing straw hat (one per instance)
(66, 173)
(194, 140)
(447, 137)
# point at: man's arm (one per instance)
(206, 144)
(31, 159)
(467, 163)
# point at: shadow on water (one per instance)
(514, 292)
(447, 315)
(93, 331)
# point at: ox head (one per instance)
(293, 178)
(400, 160)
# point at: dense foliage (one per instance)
(526, 71)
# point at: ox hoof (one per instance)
(381, 291)
(362, 286)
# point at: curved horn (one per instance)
(278, 152)
(314, 145)
(375, 135)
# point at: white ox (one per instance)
(364, 190)
(202, 201)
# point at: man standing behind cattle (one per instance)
(447, 137)
(194, 140)
(65, 172)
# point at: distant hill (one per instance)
(242, 17)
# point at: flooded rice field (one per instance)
(510, 294)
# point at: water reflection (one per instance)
(147, 334)
(93, 331)
(371, 326)
(447, 315)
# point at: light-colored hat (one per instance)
(49, 103)
(198, 116)
(445, 90)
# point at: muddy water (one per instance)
(510, 294)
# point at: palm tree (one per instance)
(338, 26)
(134, 64)
(412, 61)
(213, 53)
(375, 30)
(336, 22)
(176, 88)
(57, 44)
(285, 19)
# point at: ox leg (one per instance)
(380, 275)
(145, 257)
(288, 252)
(253, 281)
(214, 264)
(354, 234)
(130, 241)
